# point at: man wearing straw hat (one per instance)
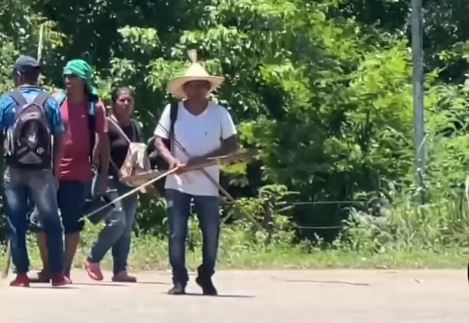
(202, 129)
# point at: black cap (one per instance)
(27, 65)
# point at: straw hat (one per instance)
(194, 73)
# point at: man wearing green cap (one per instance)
(85, 120)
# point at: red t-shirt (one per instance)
(75, 164)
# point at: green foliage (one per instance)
(322, 89)
(441, 225)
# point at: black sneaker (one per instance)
(178, 289)
(207, 286)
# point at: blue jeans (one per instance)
(71, 199)
(117, 233)
(37, 186)
(207, 208)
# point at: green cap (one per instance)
(82, 70)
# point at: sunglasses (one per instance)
(69, 75)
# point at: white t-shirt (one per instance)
(199, 135)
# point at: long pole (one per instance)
(418, 91)
(6, 267)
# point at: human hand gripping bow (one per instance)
(181, 168)
(199, 160)
(195, 160)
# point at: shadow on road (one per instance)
(152, 283)
(101, 284)
(218, 296)
(310, 281)
(51, 287)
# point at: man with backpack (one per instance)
(86, 132)
(32, 132)
(189, 131)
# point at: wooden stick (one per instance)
(210, 178)
(6, 269)
(133, 191)
(40, 47)
(182, 168)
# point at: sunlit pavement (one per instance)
(250, 296)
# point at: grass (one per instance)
(435, 239)
(150, 253)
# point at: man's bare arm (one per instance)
(163, 150)
(228, 146)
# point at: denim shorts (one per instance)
(71, 200)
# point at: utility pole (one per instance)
(418, 90)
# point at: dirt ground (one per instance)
(250, 296)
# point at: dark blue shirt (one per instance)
(8, 108)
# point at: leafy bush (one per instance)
(322, 89)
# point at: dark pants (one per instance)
(71, 197)
(23, 187)
(207, 209)
(117, 233)
(70, 200)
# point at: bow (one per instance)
(221, 188)
(183, 168)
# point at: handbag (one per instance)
(136, 166)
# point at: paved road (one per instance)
(251, 296)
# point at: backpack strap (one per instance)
(92, 126)
(134, 138)
(136, 131)
(41, 99)
(60, 98)
(118, 128)
(173, 112)
(92, 108)
(153, 155)
(18, 97)
(92, 116)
